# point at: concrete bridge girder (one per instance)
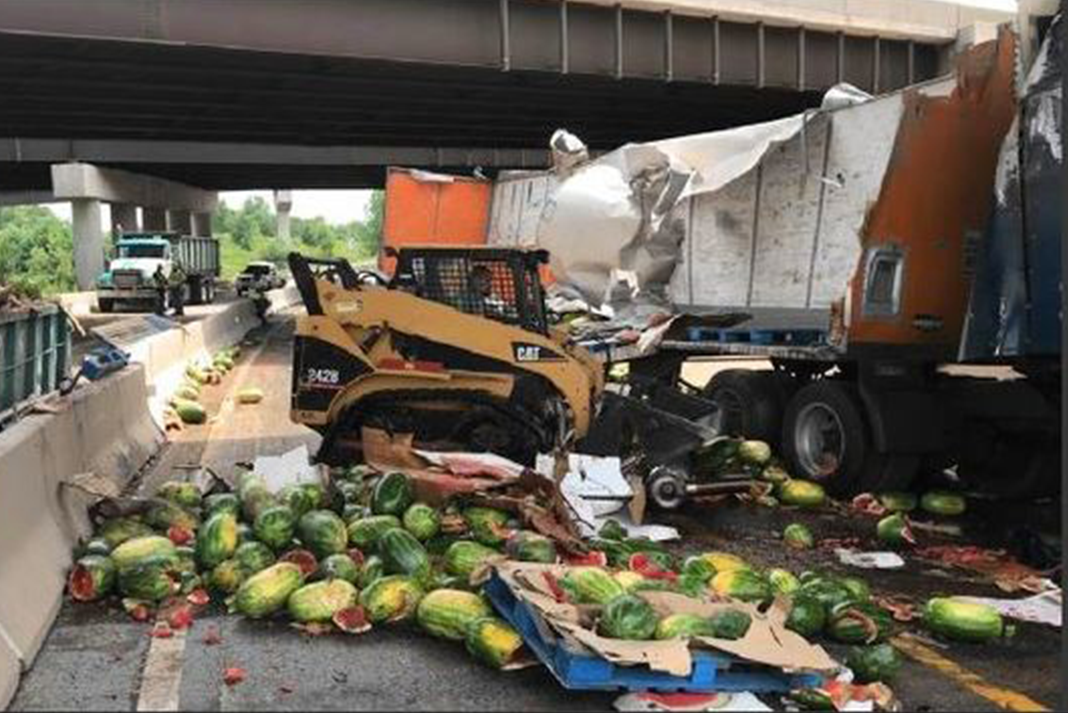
(165, 205)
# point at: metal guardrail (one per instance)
(35, 354)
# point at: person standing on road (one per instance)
(177, 282)
(160, 282)
(260, 301)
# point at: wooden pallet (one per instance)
(764, 337)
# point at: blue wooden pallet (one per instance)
(711, 671)
(802, 337)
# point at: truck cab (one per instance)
(130, 276)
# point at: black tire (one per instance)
(106, 306)
(837, 405)
(209, 292)
(751, 403)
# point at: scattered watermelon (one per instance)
(940, 502)
(895, 530)
(351, 620)
(93, 577)
(250, 395)
(627, 616)
(802, 493)
(304, 559)
(798, 537)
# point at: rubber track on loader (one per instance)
(520, 422)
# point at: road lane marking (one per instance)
(162, 675)
(1003, 697)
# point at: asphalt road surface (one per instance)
(97, 658)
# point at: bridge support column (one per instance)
(180, 221)
(88, 242)
(124, 218)
(154, 218)
(202, 224)
(283, 206)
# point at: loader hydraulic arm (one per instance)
(307, 269)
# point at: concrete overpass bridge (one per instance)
(230, 94)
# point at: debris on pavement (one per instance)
(290, 468)
(1008, 574)
(740, 702)
(869, 560)
(1045, 608)
(233, 676)
(408, 539)
(900, 608)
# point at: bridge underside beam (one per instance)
(220, 166)
(430, 73)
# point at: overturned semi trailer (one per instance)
(860, 222)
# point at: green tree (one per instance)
(36, 250)
(315, 232)
(369, 230)
(255, 219)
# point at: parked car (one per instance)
(259, 275)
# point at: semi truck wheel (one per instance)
(106, 306)
(751, 403)
(195, 291)
(825, 437)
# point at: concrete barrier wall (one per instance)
(107, 428)
(104, 428)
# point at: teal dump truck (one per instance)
(141, 260)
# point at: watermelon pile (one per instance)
(359, 553)
(364, 552)
(184, 406)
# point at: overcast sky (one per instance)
(338, 206)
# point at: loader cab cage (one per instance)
(498, 284)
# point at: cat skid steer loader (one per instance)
(458, 350)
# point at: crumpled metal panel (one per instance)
(615, 226)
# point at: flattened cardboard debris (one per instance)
(457, 474)
(767, 642)
(540, 505)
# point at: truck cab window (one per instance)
(883, 279)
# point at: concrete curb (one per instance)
(104, 427)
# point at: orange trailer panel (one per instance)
(936, 197)
(432, 209)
